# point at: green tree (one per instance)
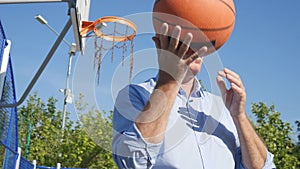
(2, 120)
(2, 151)
(276, 134)
(296, 151)
(42, 141)
(78, 148)
(98, 127)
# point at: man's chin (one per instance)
(189, 76)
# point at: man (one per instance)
(169, 122)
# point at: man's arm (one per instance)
(153, 120)
(254, 152)
(128, 148)
(173, 65)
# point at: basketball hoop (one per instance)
(110, 32)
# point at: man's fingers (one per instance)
(164, 40)
(237, 89)
(174, 41)
(200, 53)
(232, 73)
(221, 84)
(233, 77)
(156, 41)
(185, 45)
(222, 74)
(234, 80)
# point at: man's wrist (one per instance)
(166, 81)
(240, 117)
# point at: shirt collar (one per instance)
(197, 89)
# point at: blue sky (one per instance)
(263, 49)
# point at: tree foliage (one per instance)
(296, 151)
(39, 130)
(276, 135)
(98, 127)
(40, 136)
(2, 151)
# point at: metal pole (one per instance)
(34, 164)
(54, 31)
(67, 91)
(43, 21)
(27, 147)
(17, 166)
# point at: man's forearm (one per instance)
(253, 149)
(152, 122)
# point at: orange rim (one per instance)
(88, 26)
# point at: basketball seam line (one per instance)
(232, 10)
(202, 29)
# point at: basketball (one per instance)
(210, 21)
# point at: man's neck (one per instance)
(188, 86)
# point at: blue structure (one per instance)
(8, 116)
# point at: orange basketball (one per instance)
(210, 21)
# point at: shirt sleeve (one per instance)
(269, 164)
(269, 161)
(129, 148)
(131, 151)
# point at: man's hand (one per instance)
(172, 55)
(235, 97)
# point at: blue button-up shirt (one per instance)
(200, 132)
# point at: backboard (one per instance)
(78, 14)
